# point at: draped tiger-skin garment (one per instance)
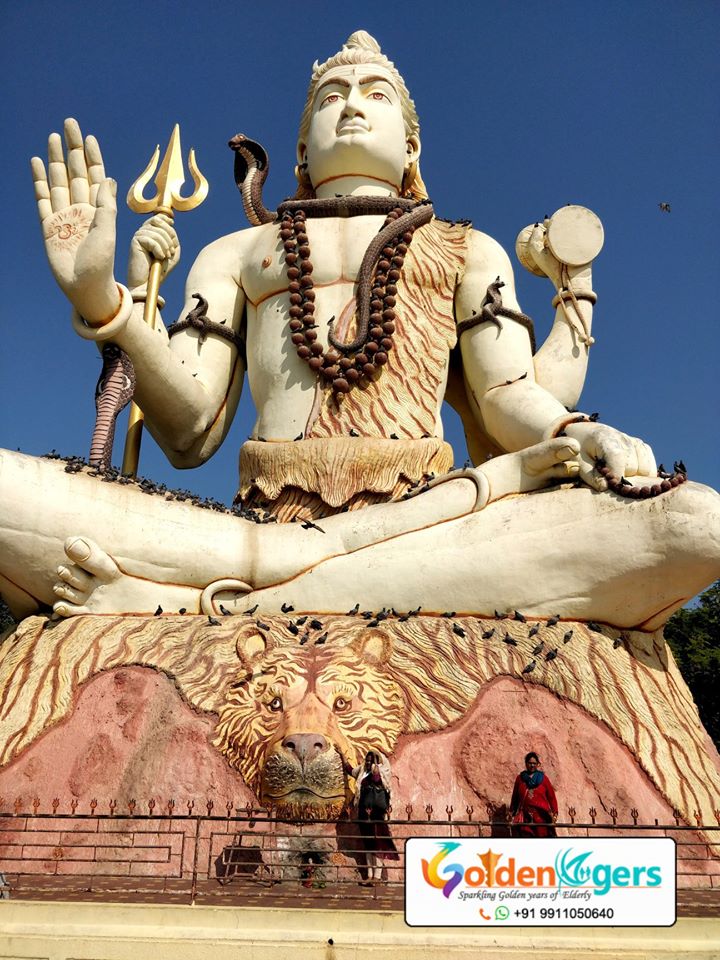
(405, 399)
(348, 459)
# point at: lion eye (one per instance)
(341, 704)
(275, 704)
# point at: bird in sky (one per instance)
(664, 206)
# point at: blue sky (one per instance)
(524, 107)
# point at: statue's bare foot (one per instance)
(536, 466)
(530, 469)
(92, 583)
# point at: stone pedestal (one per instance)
(133, 707)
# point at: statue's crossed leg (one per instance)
(575, 552)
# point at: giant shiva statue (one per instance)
(354, 311)
(440, 616)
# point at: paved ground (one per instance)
(252, 893)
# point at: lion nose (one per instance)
(305, 746)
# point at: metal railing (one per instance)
(185, 853)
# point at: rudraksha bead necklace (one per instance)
(370, 350)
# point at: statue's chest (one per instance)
(337, 247)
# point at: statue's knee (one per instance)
(692, 517)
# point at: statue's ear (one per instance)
(413, 148)
(375, 646)
(301, 152)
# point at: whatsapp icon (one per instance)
(501, 913)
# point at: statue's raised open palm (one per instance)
(77, 208)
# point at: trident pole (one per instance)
(169, 180)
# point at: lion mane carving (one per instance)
(298, 716)
(291, 710)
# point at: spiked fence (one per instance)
(214, 852)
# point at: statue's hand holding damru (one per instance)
(538, 254)
(77, 208)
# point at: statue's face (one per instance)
(357, 128)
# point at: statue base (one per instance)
(136, 707)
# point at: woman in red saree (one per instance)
(533, 807)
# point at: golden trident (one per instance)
(169, 180)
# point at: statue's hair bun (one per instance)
(362, 40)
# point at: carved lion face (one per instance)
(291, 719)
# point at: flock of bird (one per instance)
(75, 464)
(306, 627)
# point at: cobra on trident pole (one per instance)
(169, 180)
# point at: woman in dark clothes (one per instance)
(534, 806)
(372, 798)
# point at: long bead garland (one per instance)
(342, 372)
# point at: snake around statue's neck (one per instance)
(360, 359)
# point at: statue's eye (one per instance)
(331, 98)
(341, 704)
(275, 704)
(378, 95)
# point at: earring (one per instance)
(301, 175)
(409, 177)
